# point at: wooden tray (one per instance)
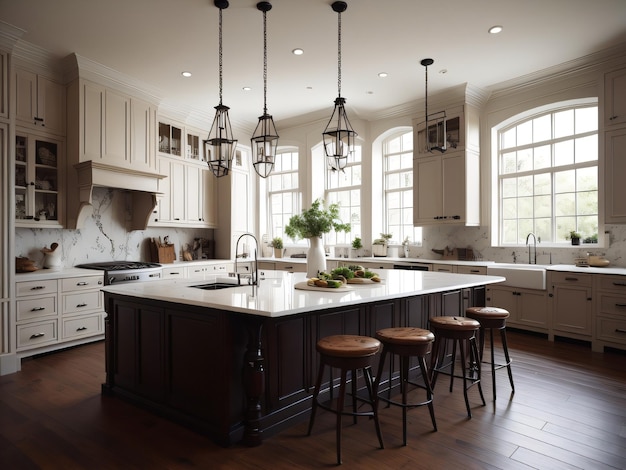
(362, 280)
(305, 286)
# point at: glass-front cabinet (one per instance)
(38, 179)
(170, 139)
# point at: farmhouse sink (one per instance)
(527, 276)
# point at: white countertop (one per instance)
(276, 295)
(43, 274)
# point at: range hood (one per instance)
(142, 186)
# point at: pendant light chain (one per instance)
(339, 54)
(220, 55)
(264, 62)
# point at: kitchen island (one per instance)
(240, 362)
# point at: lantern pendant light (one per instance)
(264, 139)
(339, 136)
(435, 123)
(219, 147)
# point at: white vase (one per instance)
(315, 257)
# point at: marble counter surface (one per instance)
(277, 296)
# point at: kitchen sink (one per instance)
(215, 286)
(528, 276)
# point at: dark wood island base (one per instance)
(238, 377)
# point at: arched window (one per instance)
(283, 192)
(547, 174)
(397, 155)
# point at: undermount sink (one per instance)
(215, 286)
(527, 276)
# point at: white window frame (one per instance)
(558, 234)
(278, 229)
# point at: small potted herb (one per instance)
(379, 245)
(357, 244)
(277, 244)
(575, 237)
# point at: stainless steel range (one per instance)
(118, 272)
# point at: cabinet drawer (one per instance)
(73, 284)
(471, 270)
(614, 283)
(32, 335)
(444, 268)
(35, 287)
(614, 305)
(173, 273)
(36, 308)
(572, 278)
(87, 325)
(610, 329)
(82, 302)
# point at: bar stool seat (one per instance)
(347, 353)
(493, 318)
(462, 332)
(406, 343)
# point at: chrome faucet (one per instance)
(529, 248)
(253, 277)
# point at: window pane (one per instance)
(586, 149)
(542, 157)
(565, 204)
(525, 160)
(543, 184)
(508, 139)
(509, 163)
(525, 133)
(564, 153)
(542, 129)
(586, 120)
(564, 181)
(563, 123)
(543, 206)
(587, 178)
(525, 186)
(509, 187)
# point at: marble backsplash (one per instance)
(106, 238)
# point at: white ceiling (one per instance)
(153, 41)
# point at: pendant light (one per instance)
(339, 136)
(219, 147)
(264, 139)
(435, 123)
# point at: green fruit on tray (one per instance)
(334, 283)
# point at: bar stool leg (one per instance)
(474, 357)
(493, 363)
(507, 358)
(318, 384)
(429, 390)
(340, 405)
(372, 389)
(404, 372)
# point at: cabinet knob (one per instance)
(612, 118)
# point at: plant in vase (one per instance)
(312, 223)
(357, 244)
(379, 245)
(277, 244)
(574, 236)
(405, 246)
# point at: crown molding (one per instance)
(9, 35)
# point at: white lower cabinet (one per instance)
(571, 304)
(528, 308)
(52, 313)
(610, 312)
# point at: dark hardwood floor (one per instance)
(568, 411)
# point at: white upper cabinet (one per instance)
(615, 98)
(4, 84)
(39, 102)
(614, 144)
(447, 185)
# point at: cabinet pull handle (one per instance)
(37, 287)
(612, 117)
(474, 270)
(571, 279)
(81, 305)
(37, 309)
(620, 305)
(81, 328)
(99, 283)
(37, 335)
(38, 119)
(620, 284)
(620, 330)
(82, 283)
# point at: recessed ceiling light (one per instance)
(495, 29)
(443, 71)
(247, 88)
(382, 74)
(297, 51)
(186, 74)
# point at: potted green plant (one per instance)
(311, 224)
(277, 244)
(574, 236)
(379, 245)
(357, 245)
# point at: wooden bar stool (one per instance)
(406, 343)
(462, 331)
(492, 318)
(347, 353)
